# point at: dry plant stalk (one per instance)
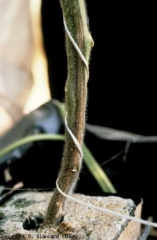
(74, 13)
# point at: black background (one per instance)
(122, 87)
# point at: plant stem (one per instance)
(74, 13)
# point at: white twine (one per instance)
(153, 224)
(75, 44)
(73, 137)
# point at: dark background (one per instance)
(122, 87)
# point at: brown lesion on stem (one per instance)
(75, 96)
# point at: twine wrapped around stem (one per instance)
(78, 45)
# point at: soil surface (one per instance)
(21, 217)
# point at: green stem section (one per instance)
(97, 171)
(74, 13)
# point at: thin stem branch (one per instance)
(74, 13)
(28, 140)
(89, 160)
